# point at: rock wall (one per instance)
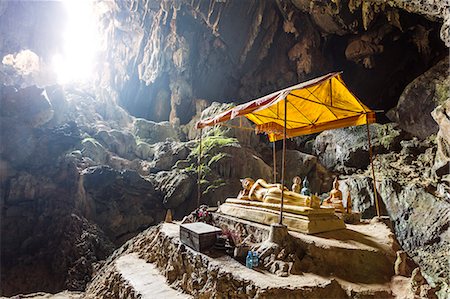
(335, 15)
(425, 238)
(416, 200)
(441, 163)
(79, 175)
(40, 192)
(347, 150)
(420, 98)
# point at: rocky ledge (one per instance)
(215, 275)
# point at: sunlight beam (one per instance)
(81, 43)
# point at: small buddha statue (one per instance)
(297, 184)
(349, 203)
(335, 198)
(169, 217)
(305, 190)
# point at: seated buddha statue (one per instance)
(269, 193)
(297, 184)
(335, 198)
(305, 190)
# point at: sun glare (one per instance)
(81, 43)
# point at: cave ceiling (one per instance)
(177, 53)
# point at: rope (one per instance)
(236, 127)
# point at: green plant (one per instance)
(91, 140)
(212, 143)
(216, 158)
(214, 185)
(214, 139)
(441, 93)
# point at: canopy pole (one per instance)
(373, 170)
(199, 169)
(274, 162)
(283, 166)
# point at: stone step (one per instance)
(145, 278)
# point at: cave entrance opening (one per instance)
(320, 104)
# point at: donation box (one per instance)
(199, 235)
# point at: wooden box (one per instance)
(198, 235)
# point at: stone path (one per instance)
(146, 279)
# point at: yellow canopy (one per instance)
(313, 106)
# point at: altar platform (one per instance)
(297, 218)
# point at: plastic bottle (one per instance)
(255, 260)
(249, 260)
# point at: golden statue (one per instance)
(169, 217)
(297, 184)
(349, 203)
(270, 193)
(335, 198)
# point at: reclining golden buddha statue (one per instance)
(271, 193)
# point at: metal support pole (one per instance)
(283, 166)
(199, 169)
(274, 162)
(373, 171)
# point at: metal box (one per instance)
(198, 235)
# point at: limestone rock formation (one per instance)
(121, 202)
(426, 239)
(339, 17)
(167, 74)
(236, 128)
(94, 150)
(27, 46)
(223, 162)
(29, 105)
(152, 132)
(348, 149)
(407, 191)
(167, 154)
(360, 188)
(420, 98)
(64, 261)
(442, 160)
(39, 192)
(178, 187)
